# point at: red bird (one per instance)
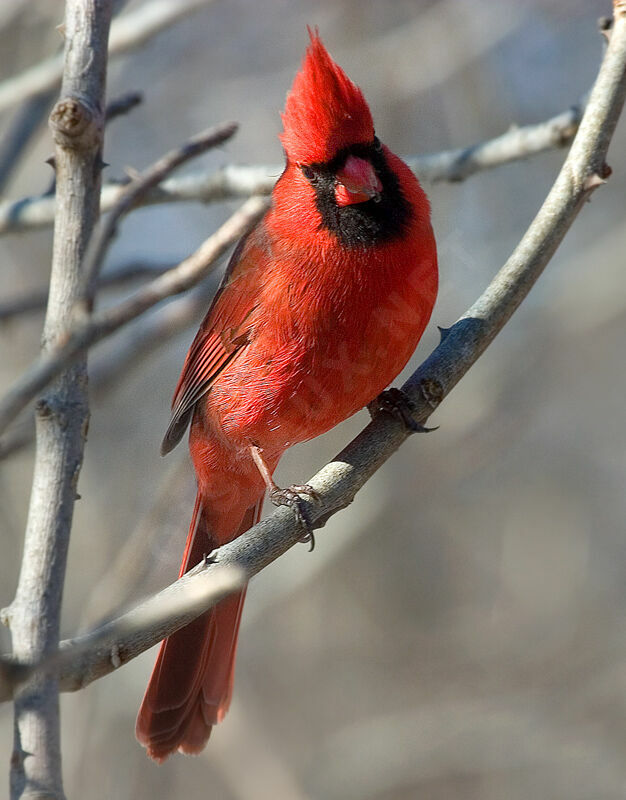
(321, 307)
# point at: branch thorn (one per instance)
(593, 181)
(443, 333)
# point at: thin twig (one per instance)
(236, 182)
(338, 482)
(141, 342)
(515, 144)
(77, 124)
(21, 435)
(140, 186)
(128, 32)
(24, 125)
(133, 564)
(122, 105)
(36, 299)
(122, 640)
(86, 333)
(145, 339)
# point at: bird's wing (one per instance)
(224, 333)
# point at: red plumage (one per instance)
(324, 111)
(321, 307)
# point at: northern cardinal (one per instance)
(321, 307)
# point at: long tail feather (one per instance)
(192, 681)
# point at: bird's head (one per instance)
(328, 128)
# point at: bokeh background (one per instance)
(459, 631)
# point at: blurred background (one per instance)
(459, 631)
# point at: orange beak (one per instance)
(357, 182)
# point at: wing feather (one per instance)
(223, 335)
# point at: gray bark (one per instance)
(62, 412)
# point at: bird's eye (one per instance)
(377, 144)
(308, 173)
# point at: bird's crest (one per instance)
(325, 111)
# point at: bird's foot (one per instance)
(291, 498)
(396, 402)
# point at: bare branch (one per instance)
(77, 123)
(116, 108)
(86, 333)
(36, 299)
(339, 481)
(27, 120)
(128, 32)
(109, 646)
(142, 341)
(147, 338)
(137, 188)
(20, 436)
(133, 565)
(515, 144)
(236, 182)
(122, 105)
(25, 303)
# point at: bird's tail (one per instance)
(192, 681)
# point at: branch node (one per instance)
(432, 392)
(43, 409)
(604, 26)
(75, 124)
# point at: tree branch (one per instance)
(137, 188)
(128, 32)
(26, 121)
(236, 182)
(339, 481)
(77, 122)
(86, 333)
(121, 105)
(118, 642)
(36, 299)
(141, 342)
(515, 144)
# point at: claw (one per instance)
(290, 497)
(396, 402)
(309, 491)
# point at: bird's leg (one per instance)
(288, 497)
(396, 402)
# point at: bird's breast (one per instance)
(321, 348)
